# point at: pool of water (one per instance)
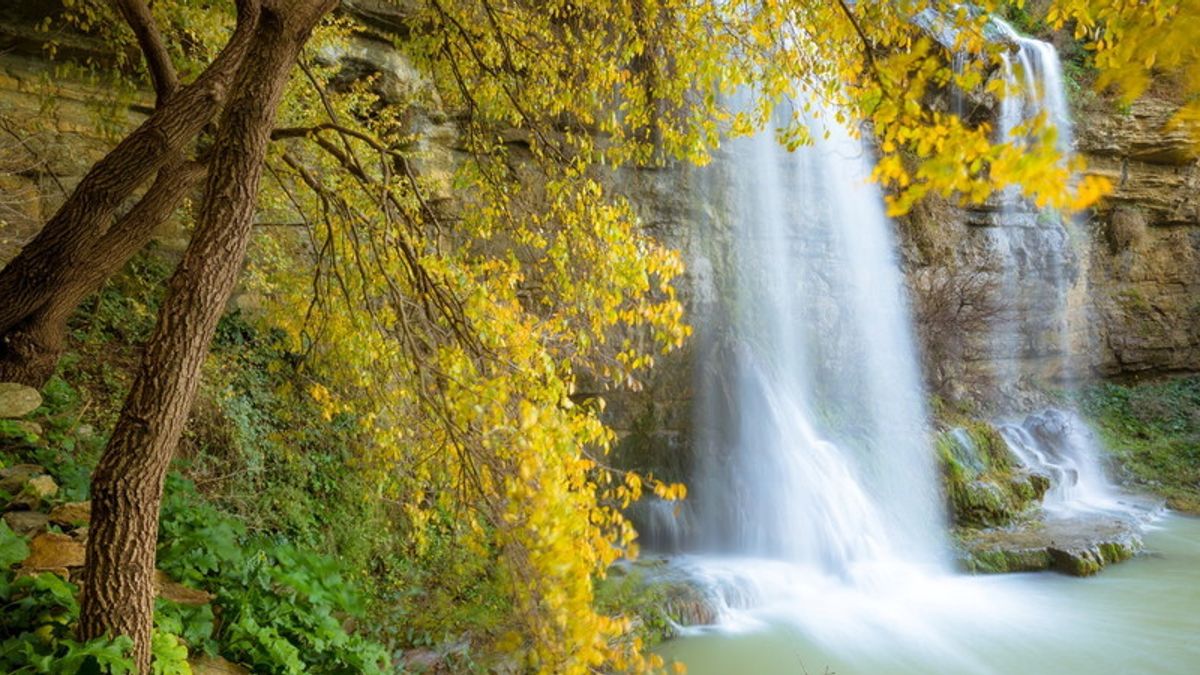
(1142, 616)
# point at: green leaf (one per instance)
(12, 547)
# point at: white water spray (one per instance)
(818, 450)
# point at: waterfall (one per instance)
(1059, 445)
(814, 423)
(1037, 263)
(1039, 267)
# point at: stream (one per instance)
(1142, 616)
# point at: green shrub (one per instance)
(282, 609)
(38, 618)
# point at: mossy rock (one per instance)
(1079, 546)
(662, 598)
(980, 478)
(1000, 561)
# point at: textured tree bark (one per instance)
(31, 349)
(64, 244)
(118, 589)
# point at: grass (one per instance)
(1153, 429)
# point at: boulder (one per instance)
(176, 592)
(72, 514)
(1080, 545)
(26, 522)
(13, 478)
(18, 400)
(34, 493)
(53, 551)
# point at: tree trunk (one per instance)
(118, 590)
(30, 350)
(63, 246)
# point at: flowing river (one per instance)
(1142, 616)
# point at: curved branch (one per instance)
(162, 72)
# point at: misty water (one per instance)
(816, 528)
(1139, 617)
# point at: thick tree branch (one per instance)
(64, 242)
(162, 72)
(30, 351)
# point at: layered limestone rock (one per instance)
(1131, 270)
(1145, 266)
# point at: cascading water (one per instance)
(1039, 267)
(817, 442)
(1059, 445)
(816, 502)
(815, 517)
(1038, 264)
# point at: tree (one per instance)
(80, 246)
(118, 592)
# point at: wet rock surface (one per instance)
(1078, 545)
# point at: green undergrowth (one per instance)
(280, 605)
(312, 568)
(1153, 431)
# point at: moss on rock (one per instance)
(658, 596)
(1080, 546)
(981, 480)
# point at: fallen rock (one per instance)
(53, 551)
(174, 591)
(18, 400)
(13, 478)
(33, 493)
(60, 571)
(72, 514)
(26, 522)
(215, 665)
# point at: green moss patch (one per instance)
(982, 482)
(1153, 431)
